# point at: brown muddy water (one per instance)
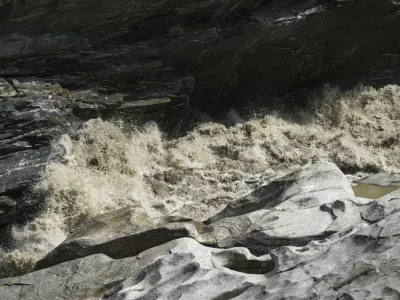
(372, 191)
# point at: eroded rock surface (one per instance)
(157, 272)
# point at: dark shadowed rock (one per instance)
(32, 115)
(153, 49)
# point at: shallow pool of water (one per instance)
(372, 191)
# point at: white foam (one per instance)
(108, 167)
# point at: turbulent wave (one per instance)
(109, 165)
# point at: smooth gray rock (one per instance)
(312, 185)
(264, 230)
(129, 231)
(358, 263)
(354, 264)
(332, 249)
(120, 234)
(180, 267)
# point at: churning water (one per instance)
(107, 166)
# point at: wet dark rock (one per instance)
(153, 49)
(34, 113)
(32, 116)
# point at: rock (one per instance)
(7, 209)
(318, 248)
(362, 201)
(377, 210)
(381, 179)
(310, 186)
(361, 262)
(34, 86)
(129, 231)
(350, 264)
(263, 230)
(89, 104)
(119, 234)
(30, 119)
(181, 267)
(154, 49)
(188, 273)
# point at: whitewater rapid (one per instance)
(109, 165)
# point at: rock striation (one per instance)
(32, 115)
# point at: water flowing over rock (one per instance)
(259, 227)
(198, 149)
(34, 114)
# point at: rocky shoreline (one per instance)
(156, 149)
(302, 236)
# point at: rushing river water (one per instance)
(107, 165)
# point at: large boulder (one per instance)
(381, 179)
(360, 263)
(310, 186)
(264, 230)
(153, 49)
